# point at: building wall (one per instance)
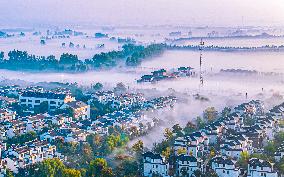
(33, 102)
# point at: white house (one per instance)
(260, 168)
(186, 165)
(154, 164)
(7, 115)
(81, 109)
(224, 167)
(33, 99)
(279, 154)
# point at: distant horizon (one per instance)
(170, 26)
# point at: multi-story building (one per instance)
(33, 99)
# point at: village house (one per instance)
(14, 128)
(5, 101)
(214, 131)
(61, 119)
(187, 165)
(103, 96)
(195, 144)
(279, 154)
(154, 164)
(254, 133)
(234, 145)
(277, 112)
(7, 115)
(50, 136)
(34, 123)
(260, 168)
(80, 109)
(186, 71)
(224, 167)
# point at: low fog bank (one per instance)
(222, 90)
(192, 108)
(215, 83)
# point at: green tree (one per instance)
(66, 58)
(200, 123)
(189, 128)
(9, 173)
(270, 148)
(107, 172)
(138, 146)
(166, 153)
(86, 152)
(177, 130)
(211, 173)
(181, 151)
(279, 138)
(225, 112)
(280, 166)
(128, 168)
(243, 161)
(168, 134)
(20, 139)
(210, 114)
(98, 86)
(50, 168)
(162, 146)
(96, 167)
(71, 173)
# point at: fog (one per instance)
(271, 64)
(222, 89)
(142, 12)
(185, 112)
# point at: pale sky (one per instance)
(142, 12)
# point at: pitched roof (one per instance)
(186, 158)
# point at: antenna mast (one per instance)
(201, 45)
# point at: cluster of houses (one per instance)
(221, 144)
(125, 100)
(130, 112)
(17, 157)
(129, 117)
(163, 74)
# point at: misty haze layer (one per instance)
(142, 12)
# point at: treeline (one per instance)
(150, 51)
(131, 55)
(56, 168)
